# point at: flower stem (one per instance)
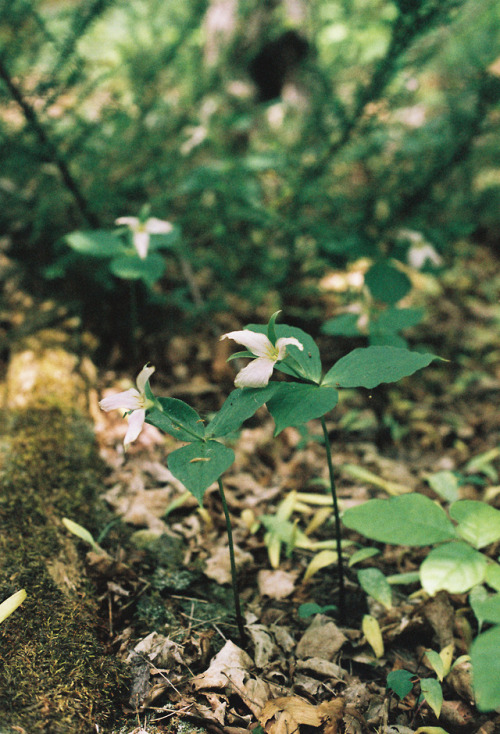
(340, 566)
(237, 607)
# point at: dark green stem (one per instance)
(133, 315)
(340, 566)
(237, 607)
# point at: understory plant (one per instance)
(457, 564)
(308, 394)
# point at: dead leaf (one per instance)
(288, 713)
(276, 584)
(322, 639)
(218, 565)
(264, 646)
(331, 713)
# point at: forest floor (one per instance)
(167, 604)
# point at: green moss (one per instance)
(55, 674)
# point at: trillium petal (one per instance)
(143, 377)
(158, 226)
(258, 344)
(131, 222)
(128, 400)
(135, 424)
(282, 342)
(141, 243)
(255, 374)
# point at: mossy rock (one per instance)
(56, 674)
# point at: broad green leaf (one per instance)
(454, 567)
(178, 419)
(362, 554)
(386, 283)
(433, 694)
(437, 663)
(493, 576)
(306, 362)
(131, 267)
(486, 609)
(295, 403)
(400, 681)
(373, 581)
(485, 658)
(98, 242)
(477, 595)
(346, 324)
(478, 523)
(385, 338)
(200, 464)
(445, 484)
(10, 605)
(310, 608)
(397, 319)
(370, 366)
(373, 634)
(411, 519)
(240, 405)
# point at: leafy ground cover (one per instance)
(169, 604)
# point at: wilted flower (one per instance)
(141, 231)
(258, 372)
(134, 401)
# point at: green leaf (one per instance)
(400, 681)
(240, 405)
(362, 554)
(384, 338)
(477, 595)
(410, 519)
(397, 319)
(454, 567)
(132, 267)
(479, 523)
(295, 403)
(370, 366)
(373, 581)
(200, 464)
(310, 608)
(98, 242)
(433, 694)
(271, 327)
(307, 362)
(437, 663)
(386, 283)
(79, 531)
(178, 419)
(486, 609)
(485, 658)
(344, 325)
(493, 576)
(445, 484)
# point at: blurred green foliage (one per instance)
(389, 124)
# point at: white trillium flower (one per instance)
(132, 400)
(141, 231)
(418, 255)
(258, 372)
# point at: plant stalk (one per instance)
(237, 607)
(338, 539)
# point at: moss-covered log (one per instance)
(55, 673)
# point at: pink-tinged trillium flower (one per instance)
(141, 231)
(134, 401)
(258, 372)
